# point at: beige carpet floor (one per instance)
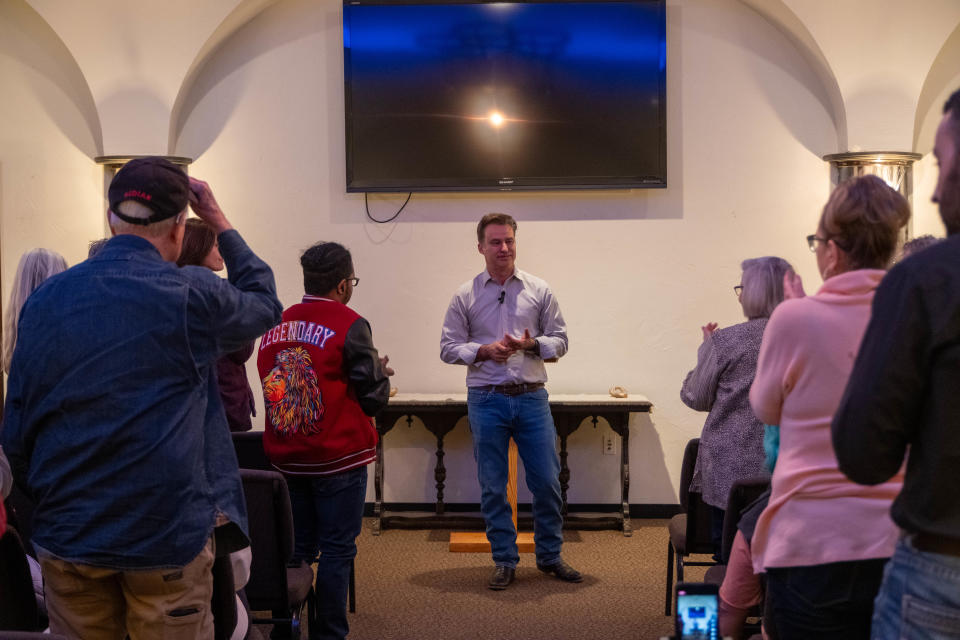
(410, 587)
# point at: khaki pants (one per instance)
(94, 603)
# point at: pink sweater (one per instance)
(816, 515)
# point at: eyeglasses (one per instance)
(738, 290)
(812, 240)
(353, 281)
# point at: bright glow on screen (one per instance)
(460, 95)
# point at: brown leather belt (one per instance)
(936, 544)
(513, 389)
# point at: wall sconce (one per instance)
(893, 167)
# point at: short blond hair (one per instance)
(863, 217)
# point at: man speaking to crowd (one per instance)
(502, 325)
(113, 420)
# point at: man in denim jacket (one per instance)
(113, 421)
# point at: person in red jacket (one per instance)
(323, 380)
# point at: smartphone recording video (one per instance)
(697, 611)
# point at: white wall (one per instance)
(51, 193)
(636, 272)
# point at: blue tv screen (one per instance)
(459, 96)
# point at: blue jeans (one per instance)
(494, 419)
(327, 518)
(920, 596)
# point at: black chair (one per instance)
(689, 531)
(743, 493)
(223, 604)
(285, 591)
(18, 604)
(249, 448)
(250, 455)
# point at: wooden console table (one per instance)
(441, 412)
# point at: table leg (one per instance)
(440, 475)
(378, 489)
(625, 477)
(564, 473)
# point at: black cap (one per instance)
(152, 181)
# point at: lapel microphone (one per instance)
(503, 294)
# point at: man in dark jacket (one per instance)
(322, 382)
(902, 395)
(113, 421)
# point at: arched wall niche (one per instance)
(58, 82)
(191, 90)
(941, 81)
(786, 21)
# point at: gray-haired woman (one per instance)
(731, 445)
(35, 266)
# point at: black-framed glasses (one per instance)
(812, 240)
(738, 290)
(353, 281)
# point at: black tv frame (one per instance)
(505, 183)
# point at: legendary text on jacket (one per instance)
(298, 331)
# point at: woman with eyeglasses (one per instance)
(731, 444)
(200, 249)
(823, 540)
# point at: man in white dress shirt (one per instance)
(502, 325)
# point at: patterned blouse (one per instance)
(731, 445)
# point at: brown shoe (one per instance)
(501, 578)
(562, 570)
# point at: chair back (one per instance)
(742, 494)
(18, 604)
(223, 604)
(686, 472)
(699, 538)
(271, 538)
(249, 448)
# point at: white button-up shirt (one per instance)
(482, 311)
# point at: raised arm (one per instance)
(778, 362)
(231, 313)
(700, 386)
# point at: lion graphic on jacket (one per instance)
(292, 395)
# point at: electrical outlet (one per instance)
(609, 447)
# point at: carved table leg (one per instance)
(564, 473)
(378, 489)
(440, 474)
(625, 476)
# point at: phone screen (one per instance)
(697, 616)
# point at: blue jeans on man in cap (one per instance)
(494, 419)
(327, 518)
(920, 596)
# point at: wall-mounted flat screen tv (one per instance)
(460, 96)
